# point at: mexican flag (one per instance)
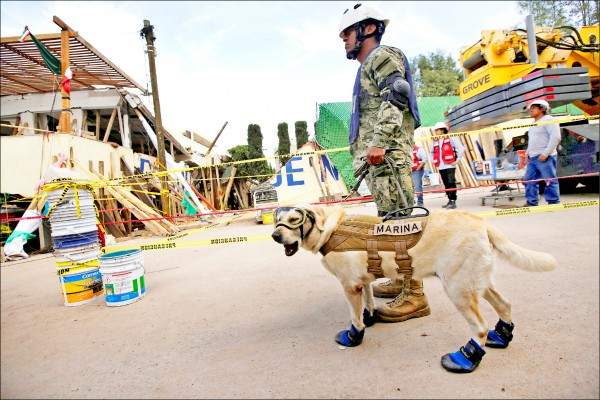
(24, 34)
(66, 80)
(50, 60)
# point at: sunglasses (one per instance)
(294, 222)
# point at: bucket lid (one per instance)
(73, 230)
(60, 243)
(122, 253)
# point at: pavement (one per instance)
(242, 320)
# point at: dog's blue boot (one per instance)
(501, 336)
(465, 360)
(351, 337)
(369, 318)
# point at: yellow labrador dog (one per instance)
(456, 246)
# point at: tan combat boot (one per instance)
(388, 289)
(406, 306)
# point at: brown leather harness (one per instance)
(356, 233)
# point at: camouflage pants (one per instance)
(383, 185)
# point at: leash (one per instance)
(400, 213)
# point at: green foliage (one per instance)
(255, 140)
(284, 142)
(261, 170)
(436, 74)
(301, 130)
(556, 13)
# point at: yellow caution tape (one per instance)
(166, 245)
(537, 209)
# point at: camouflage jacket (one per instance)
(381, 123)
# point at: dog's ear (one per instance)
(328, 219)
(318, 214)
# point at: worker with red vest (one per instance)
(419, 159)
(446, 154)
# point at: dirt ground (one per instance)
(242, 320)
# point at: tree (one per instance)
(259, 169)
(436, 74)
(556, 13)
(255, 140)
(545, 12)
(241, 153)
(584, 12)
(284, 142)
(301, 130)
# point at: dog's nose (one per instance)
(276, 236)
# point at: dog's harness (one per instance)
(356, 233)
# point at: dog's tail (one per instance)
(520, 257)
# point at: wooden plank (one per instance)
(204, 184)
(152, 225)
(98, 123)
(127, 217)
(128, 171)
(111, 204)
(84, 120)
(110, 124)
(219, 190)
(101, 193)
(107, 217)
(22, 129)
(213, 192)
(228, 189)
(203, 198)
(17, 123)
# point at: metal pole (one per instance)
(148, 32)
(531, 43)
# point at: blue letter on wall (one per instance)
(332, 169)
(290, 172)
(142, 162)
(278, 180)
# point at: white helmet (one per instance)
(542, 103)
(360, 13)
(440, 125)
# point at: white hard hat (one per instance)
(440, 125)
(359, 13)
(542, 103)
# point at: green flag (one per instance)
(51, 62)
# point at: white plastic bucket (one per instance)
(80, 285)
(434, 179)
(123, 277)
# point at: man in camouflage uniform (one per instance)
(384, 117)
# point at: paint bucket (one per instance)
(123, 277)
(79, 285)
(267, 219)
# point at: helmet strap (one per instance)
(359, 27)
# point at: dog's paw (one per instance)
(368, 318)
(501, 336)
(465, 360)
(351, 337)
